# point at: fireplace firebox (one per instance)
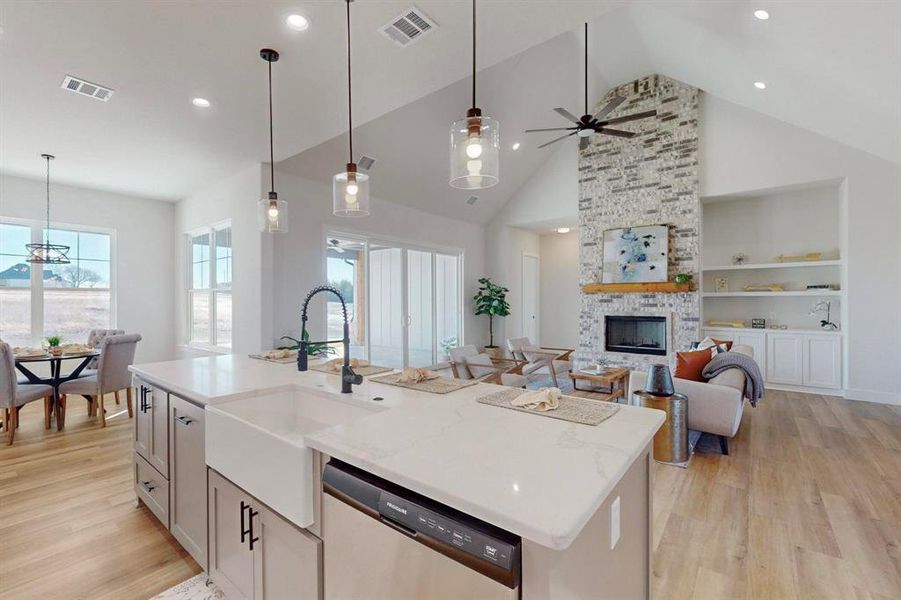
(635, 335)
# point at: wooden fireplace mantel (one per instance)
(667, 287)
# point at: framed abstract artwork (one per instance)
(636, 254)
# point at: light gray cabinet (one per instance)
(255, 553)
(152, 426)
(187, 478)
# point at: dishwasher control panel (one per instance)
(422, 521)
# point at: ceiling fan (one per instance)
(588, 124)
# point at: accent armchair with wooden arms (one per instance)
(540, 360)
(116, 355)
(467, 362)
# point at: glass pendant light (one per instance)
(46, 253)
(350, 188)
(474, 141)
(272, 213)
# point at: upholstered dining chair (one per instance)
(117, 353)
(541, 361)
(13, 395)
(468, 363)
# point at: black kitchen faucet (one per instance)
(348, 377)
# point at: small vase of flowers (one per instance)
(53, 345)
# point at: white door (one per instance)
(530, 298)
(783, 358)
(823, 361)
(386, 307)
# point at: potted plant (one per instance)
(53, 345)
(491, 300)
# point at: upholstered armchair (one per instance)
(117, 352)
(549, 362)
(13, 395)
(468, 363)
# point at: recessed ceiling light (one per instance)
(515, 146)
(297, 22)
(201, 102)
(760, 85)
(762, 14)
(563, 230)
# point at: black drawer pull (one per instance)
(184, 420)
(251, 514)
(147, 487)
(244, 530)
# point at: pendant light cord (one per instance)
(586, 68)
(350, 121)
(48, 199)
(473, 53)
(271, 151)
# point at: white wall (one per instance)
(299, 257)
(559, 317)
(745, 150)
(235, 199)
(143, 253)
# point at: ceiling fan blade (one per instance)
(611, 106)
(632, 117)
(583, 143)
(616, 132)
(551, 129)
(557, 139)
(567, 115)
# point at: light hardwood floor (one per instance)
(808, 505)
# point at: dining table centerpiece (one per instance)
(53, 345)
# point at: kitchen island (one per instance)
(577, 496)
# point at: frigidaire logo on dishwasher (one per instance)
(399, 509)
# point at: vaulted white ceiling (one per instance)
(830, 67)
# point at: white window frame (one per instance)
(405, 245)
(210, 230)
(37, 281)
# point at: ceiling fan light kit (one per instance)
(474, 141)
(350, 188)
(46, 253)
(272, 213)
(587, 125)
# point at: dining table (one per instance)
(56, 377)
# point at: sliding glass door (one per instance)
(411, 309)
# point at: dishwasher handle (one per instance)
(398, 527)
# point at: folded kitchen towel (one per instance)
(336, 363)
(414, 375)
(540, 400)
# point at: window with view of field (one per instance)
(66, 300)
(210, 287)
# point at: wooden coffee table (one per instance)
(617, 379)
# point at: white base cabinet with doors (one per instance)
(792, 358)
(254, 553)
(170, 465)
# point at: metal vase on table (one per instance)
(671, 441)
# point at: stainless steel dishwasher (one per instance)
(384, 542)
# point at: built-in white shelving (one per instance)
(786, 294)
(778, 265)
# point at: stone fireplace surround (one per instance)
(650, 178)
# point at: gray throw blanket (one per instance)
(737, 360)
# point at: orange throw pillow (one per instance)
(728, 343)
(690, 365)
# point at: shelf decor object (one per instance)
(474, 141)
(721, 284)
(46, 253)
(765, 287)
(350, 188)
(636, 254)
(272, 213)
(758, 323)
(740, 258)
(721, 323)
(809, 257)
(824, 307)
(666, 287)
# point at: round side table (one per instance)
(671, 440)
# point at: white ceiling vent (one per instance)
(408, 27)
(86, 88)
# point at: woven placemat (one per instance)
(575, 410)
(284, 361)
(364, 371)
(439, 385)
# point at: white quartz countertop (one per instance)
(538, 477)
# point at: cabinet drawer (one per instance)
(152, 488)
